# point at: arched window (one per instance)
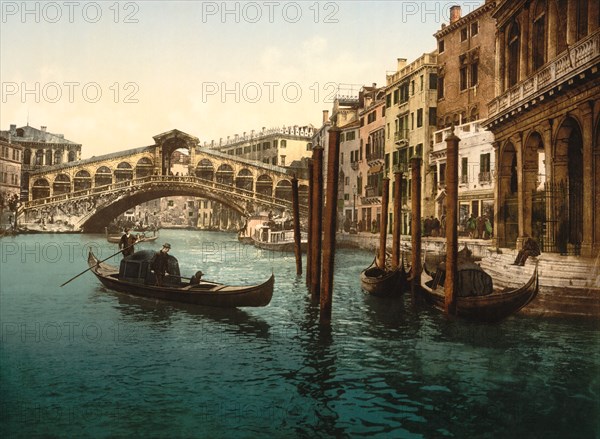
(514, 50)
(82, 181)
(71, 156)
(264, 185)
(39, 157)
(538, 52)
(284, 190)
(40, 189)
(559, 7)
(61, 185)
(225, 175)
(58, 157)
(124, 172)
(144, 167)
(205, 170)
(103, 176)
(244, 179)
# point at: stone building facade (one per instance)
(275, 146)
(40, 149)
(10, 179)
(466, 83)
(410, 119)
(545, 119)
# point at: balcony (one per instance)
(354, 165)
(567, 65)
(372, 191)
(375, 156)
(485, 177)
(401, 137)
(463, 179)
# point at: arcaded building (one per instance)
(545, 119)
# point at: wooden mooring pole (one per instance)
(330, 219)
(415, 165)
(385, 200)
(309, 232)
(397, 232)
(317, 225)
(297, 235)
(451, 222)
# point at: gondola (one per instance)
(384, 282)
(135, 277)
(115, 239)
(476, 298)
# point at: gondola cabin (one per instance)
(136, 269)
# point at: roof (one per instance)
(31, 134)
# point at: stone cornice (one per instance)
(464, 20)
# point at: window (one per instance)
(441, 46)
(382, 111)
(433, 81)
(421, 82)
(283, 143)
(388, 100)
(432, 115)
(513, 54)
(347, 181)
(463, 78)
(440, 87)
(464, 170)
(474, 74)
(396, 96)
(342, 137)
(412, 88)
(539, 36)
(419, 117)
(464, 34)
(350, 135)
(282, 160)
(474, 28)
(341, 158)
(582, 18)
(412, 121)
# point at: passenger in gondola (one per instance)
(126, 243)
(159, 263)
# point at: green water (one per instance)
(81, 361)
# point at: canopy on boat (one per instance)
(472, 280)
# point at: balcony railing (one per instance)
(464, 179)
(564, 66)
(354, 165)
(375, 155)
(371, 191)
(485, 177)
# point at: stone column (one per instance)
(587, 111)
(521, 180)
(498, 198)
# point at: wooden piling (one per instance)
(397, 210)
(309, 226)
(415, 164)
(330, 219)
(317, 225)
(297, 236)
(385, 199)
(451, 222)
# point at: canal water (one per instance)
(82, 361)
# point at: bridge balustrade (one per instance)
(226, 188)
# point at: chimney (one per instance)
(325, 116)
(43, 128)
(401, 63)
(454, 13)
(374, 85)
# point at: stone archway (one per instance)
(507, 223)
(568, 177)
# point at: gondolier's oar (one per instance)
(99, 262)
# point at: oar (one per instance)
(99, 262)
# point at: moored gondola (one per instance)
(386, 282)
(476, 298)
(135, 277)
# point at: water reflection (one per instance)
(162, 313)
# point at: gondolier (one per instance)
(126, 243)
(160, 263)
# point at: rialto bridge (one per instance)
(87, 194)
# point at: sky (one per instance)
(111, 75)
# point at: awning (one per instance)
(375, 169)
(441, 195)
